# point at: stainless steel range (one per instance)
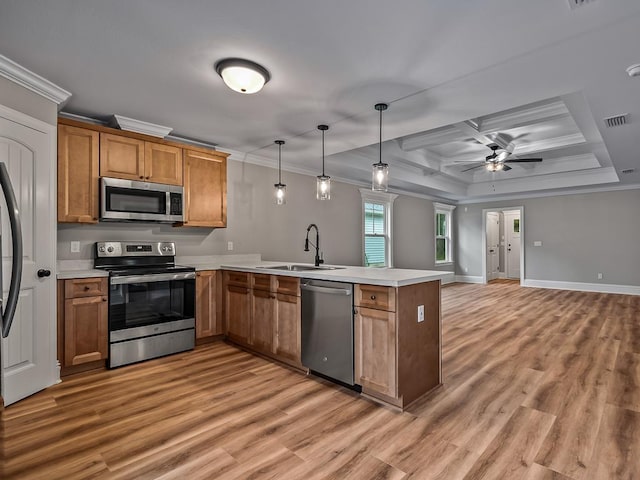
(151, 300)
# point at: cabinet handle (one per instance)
(373, 297)
(104, 299)
(141, 177)
(147, 178)
(87, 288)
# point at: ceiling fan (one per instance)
(500, 157)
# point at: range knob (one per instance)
(165, 249)
(110, 249)
(101, 248)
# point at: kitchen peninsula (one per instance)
(397, 321)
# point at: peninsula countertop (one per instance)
(389, 277)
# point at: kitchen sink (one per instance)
(300, 268)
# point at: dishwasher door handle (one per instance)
(329, 290)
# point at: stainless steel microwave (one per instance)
(128, 200)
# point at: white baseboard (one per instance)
(468, 279)
(583, 287)
(449, 278)
(502, 275)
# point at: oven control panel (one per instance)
(135, 249)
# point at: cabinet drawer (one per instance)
(237, 278)
(373, 296)
(85, 287)
(261, 281)
(288, 285)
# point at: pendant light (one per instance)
(281, 188)
(380, 178)
(323, 182)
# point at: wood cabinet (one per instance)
(375, 363)
(237, 306)
(83, 321)
(205, 189)
(273, 325)
(134, 159)
(397, 357)
(208, 304)
(78, 184)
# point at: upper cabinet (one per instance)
(205, 189)
(78, 156)
(133, 159)
(87, 152)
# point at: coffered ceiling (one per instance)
(457, 76)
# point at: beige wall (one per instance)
(257, 225)
(19, 98)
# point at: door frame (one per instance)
(486, 234)
(52, 140)
(520, 208)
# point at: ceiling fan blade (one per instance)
(472, 168)
(506, 168)
(523, 160)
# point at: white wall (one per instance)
(257, 225)
(581, 235)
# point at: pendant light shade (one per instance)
(380, 177)
(281, 188)
(323, 182)
(243, 76)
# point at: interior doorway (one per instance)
(502, 245)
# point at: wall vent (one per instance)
(628, 170)
(616, 120)
(573, 4)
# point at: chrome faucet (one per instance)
(318, 259)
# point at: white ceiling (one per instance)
(438, 64)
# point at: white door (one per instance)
(493, 234)
(27, 147)
(512, 232)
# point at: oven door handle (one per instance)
(153, 277)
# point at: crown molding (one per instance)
(140, 126)
(32, 81)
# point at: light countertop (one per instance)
(390, 277)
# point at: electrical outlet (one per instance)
(75, 247)
(599, 276)
(537, 243)
(420, 313)
(229, 246)
(466, 269)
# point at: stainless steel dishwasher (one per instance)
(327, 328)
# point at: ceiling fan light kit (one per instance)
(243, 76)
(380, 174)
(323, 182)
(281, 188)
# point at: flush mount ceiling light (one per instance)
(281, 188)
(323, 182)
(633, 70)
(242, 75)
(380, 179)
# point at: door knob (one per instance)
(44, 273)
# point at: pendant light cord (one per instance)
(380, 160)
(323, 153)
(279, 163)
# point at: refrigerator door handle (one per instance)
(16, 242)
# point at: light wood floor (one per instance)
(539, 384)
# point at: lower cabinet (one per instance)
(82, 321)
(375, 362)
(262, 313)
(208, 311)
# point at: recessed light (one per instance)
(628, 170)
(243, 76)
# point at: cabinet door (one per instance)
(162, 163)
(121, 157)
(207, 305)
(238, 311)
(85, 330)
(262, 320)
(376, 363)
(205, 190)
(78, 155)
(287, 337)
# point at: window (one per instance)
(376, 225)
(443, 238)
